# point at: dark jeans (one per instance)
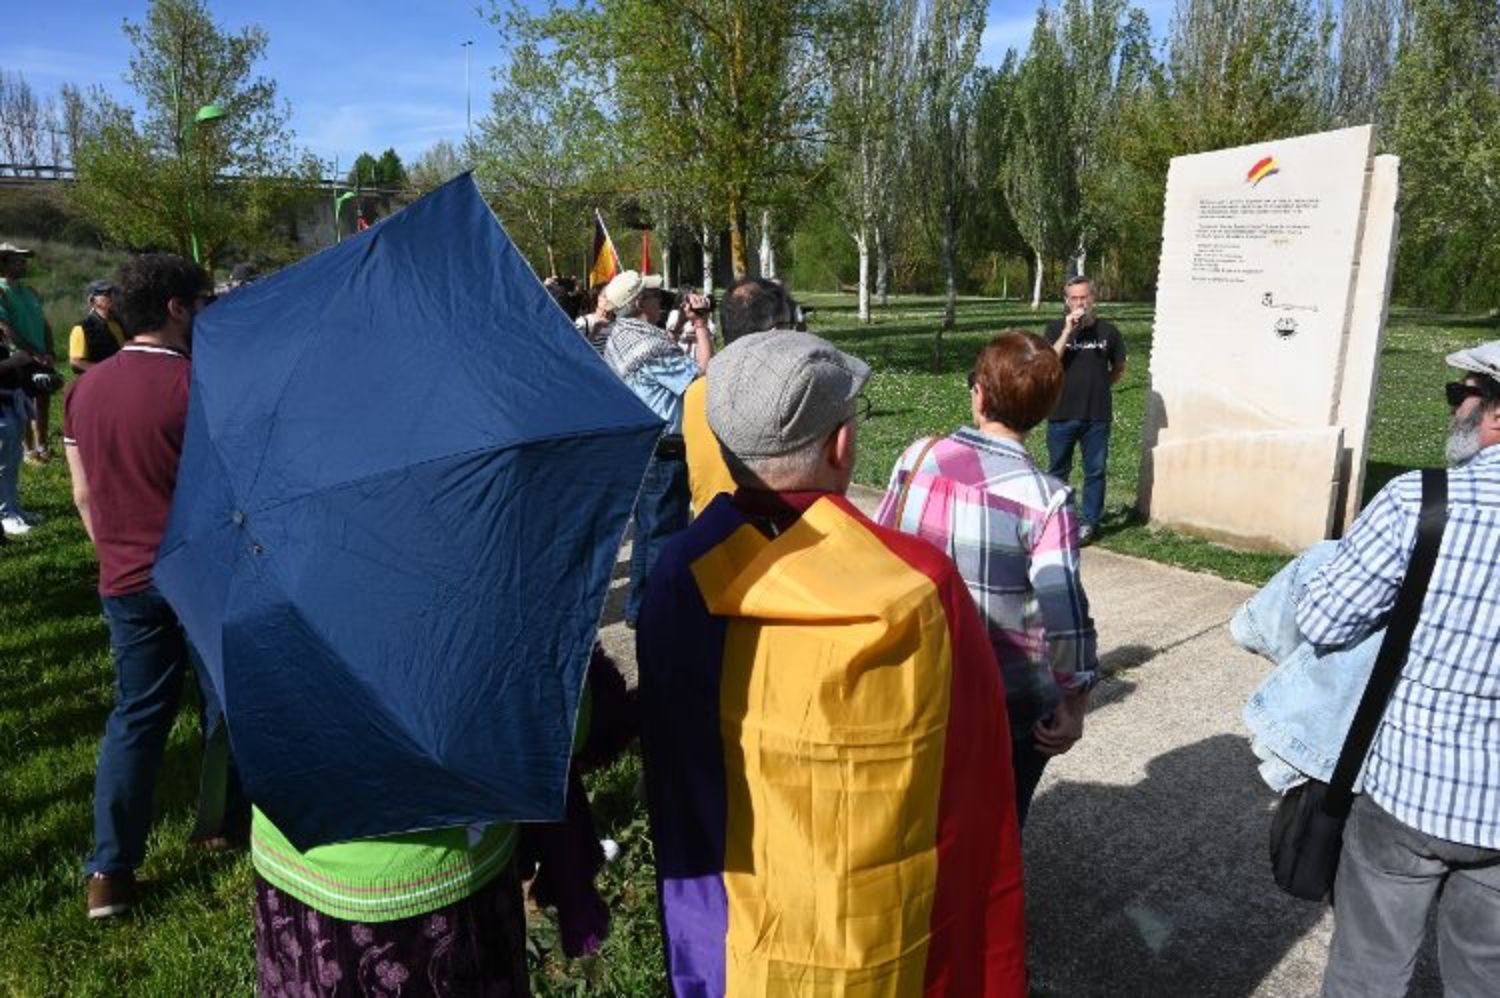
(151, 653)
(661, 510)
(1027, 764)
(1390, 877)
(1093, 434)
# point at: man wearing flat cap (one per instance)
(826, 748)
(99, 335)
(1426, 831)
(652, 365)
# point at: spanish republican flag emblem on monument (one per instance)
(1267, 167)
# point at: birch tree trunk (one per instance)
(1036, 284)
(862, 240)
(950, 265)
(882, 268)
(767, 249)
(708, 261)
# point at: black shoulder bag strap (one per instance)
(1393, 648)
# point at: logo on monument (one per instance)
(1267, 167)
(1286, 327)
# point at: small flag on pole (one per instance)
(645, 251)
(606, 262)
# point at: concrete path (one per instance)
(1146, 847)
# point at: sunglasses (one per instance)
(1457, 392)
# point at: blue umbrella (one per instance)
(404, 481)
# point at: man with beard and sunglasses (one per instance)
(1426, 830)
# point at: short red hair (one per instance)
(1022, 378)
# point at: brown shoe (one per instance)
(111, 894)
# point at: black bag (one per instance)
(1307, 830)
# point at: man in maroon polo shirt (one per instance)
(123, 431)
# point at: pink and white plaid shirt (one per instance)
(1013, 534)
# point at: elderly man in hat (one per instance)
(827, 753)
(655, 368)
(23, 323)
(1426, 831)
(99, 335)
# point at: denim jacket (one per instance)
(1300, 714)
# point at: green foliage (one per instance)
(171, 179)
(1037, 171)
(710, 100)
(386, 170)
(1445, 110)
(546, 152)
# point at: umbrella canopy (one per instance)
(403, 485)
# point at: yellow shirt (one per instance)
(78, 347)
(708, 475)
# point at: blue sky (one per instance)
(359, 76)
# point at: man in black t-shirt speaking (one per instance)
(1093, 356)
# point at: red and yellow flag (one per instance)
(645, 251)
(1267, 167)
(605, 263)
(827, 764)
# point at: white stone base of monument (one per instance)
(1264, 491)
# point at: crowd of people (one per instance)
(843, 719)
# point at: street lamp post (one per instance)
(338, 205)
(468, 102)
(205, 115)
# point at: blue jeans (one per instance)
(661, 510)
(13, 419)
(1062, 434)
(151, 653)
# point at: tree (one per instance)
(946, 49)
(866, 115)
(1038, 171)
(545, 151)
(384, 171)
(1445, 125)
(718, 92)
(1368, 33)
(435, 167)
(175, 181)
(1243, 71)
(1089, 34)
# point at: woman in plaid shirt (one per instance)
(1013, 533)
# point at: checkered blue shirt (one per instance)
(1435, 762)
(1011, 531)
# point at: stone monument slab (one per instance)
(1271, 306)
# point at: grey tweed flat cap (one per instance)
(774, 392)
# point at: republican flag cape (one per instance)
(605, 263)
(827, 764)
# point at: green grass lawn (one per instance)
(192, 934)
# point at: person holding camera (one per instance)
(1093, 356)
(679, 319)
(24, 324)
(98, 336)
(15, 413)
(652, 366)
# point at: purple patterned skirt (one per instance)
(476, 946)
